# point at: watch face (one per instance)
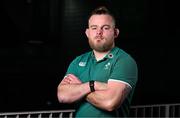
(91, 84)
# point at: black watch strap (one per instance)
(91, 85)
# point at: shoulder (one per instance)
(78, 61)
(125, 62)
(124, 56)
(82, 57)
(125, 68)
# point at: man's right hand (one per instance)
(71, 79)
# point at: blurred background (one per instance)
(39, 38)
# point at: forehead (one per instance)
(101, 20)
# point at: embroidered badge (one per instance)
(107, 66)
(82, 64)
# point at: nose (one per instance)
(99, 31)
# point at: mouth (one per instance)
(99, 38)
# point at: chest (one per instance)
(98, 71)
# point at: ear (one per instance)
(116, 32)
(87, 32)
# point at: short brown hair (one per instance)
(102, 10)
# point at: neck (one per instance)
(100, 55)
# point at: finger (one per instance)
(73, 76)
(65, 81)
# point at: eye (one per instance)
(93, 28)
(106, 27)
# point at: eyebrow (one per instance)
(93, 26)
(101, 26)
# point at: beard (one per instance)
(101, 46)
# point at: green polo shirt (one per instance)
(117, 66)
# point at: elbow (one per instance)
(62, 97)
(59, 96)
(110, 106)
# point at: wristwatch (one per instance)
(91, 85)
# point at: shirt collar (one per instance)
(110, 55)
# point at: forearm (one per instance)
(68, 93)
(110, 98)
(101, 99)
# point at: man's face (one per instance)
(101, 32)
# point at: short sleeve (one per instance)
(125, 70)
(73, 67)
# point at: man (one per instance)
(102, 81)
